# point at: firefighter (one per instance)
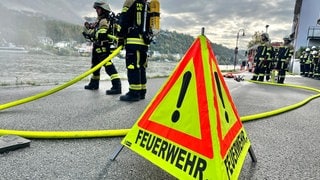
(316, 65)
(269, 65)
(308, 60)
(314, 53)
(284, 55)
(98, 34)
(132, 22)
(302, 62)
(261, 57)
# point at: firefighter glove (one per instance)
(120, 41)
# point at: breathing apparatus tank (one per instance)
(155, 16)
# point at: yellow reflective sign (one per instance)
(191, 128)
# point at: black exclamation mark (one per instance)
(220, 94)
(185, 83)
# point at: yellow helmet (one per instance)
(102, 4)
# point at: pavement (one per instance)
(286, 145)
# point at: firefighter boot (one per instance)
(93, 84)
(116, 87)
(132, 95)
(261, 78)
(143, 93)
(267, 78)
(254, 77)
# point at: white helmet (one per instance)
(308, 50)
(102, 4)
(286, 38)
(314, 47)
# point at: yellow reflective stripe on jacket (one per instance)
(125, 9)
(138, 58)
(139, 20)
(101, 50)
(126, 5)
(139, 14)
(100, 31)
(264, 49)
(136, 41)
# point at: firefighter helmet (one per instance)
(307, 49)
(265, 36)
(286, 38)
(102, 4)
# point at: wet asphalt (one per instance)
(286, 145)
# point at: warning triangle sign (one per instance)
(191, 128)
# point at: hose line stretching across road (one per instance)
(123, 132)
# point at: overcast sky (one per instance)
(223, 19)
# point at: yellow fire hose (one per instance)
(283, 109)
(123, 132)
(65, 134)
(278, 111)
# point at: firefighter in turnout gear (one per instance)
(302, 62)
(307, 64)
(132, 34)
(98, 34)
(284, 55)
(314, 61)
(269, 65)
(316, 71)
(261, 58)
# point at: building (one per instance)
(45, 41)
(306, 24)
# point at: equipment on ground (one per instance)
(239, 78)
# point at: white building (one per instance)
(306, 27)
(61, 44)
(46, 41)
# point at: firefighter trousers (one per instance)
(136, 64)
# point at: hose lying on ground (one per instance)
(123, 132)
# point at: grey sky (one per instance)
(223, 18)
